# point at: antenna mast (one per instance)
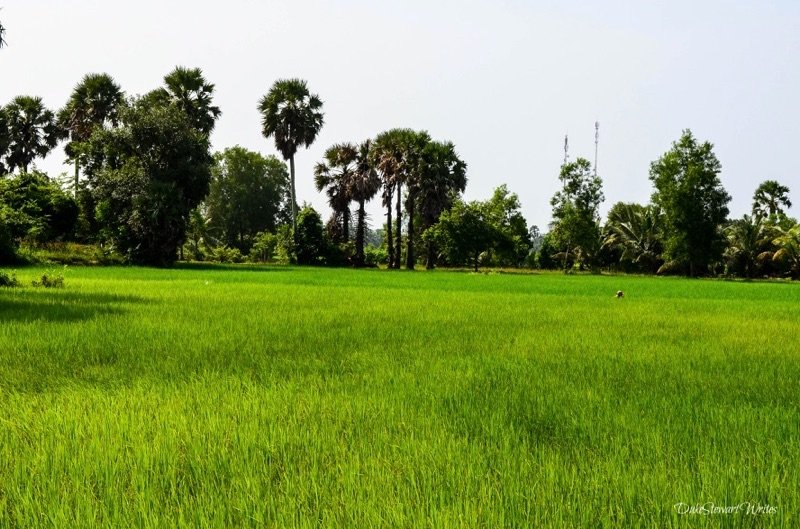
(596, 142)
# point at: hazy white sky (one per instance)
(503, 79)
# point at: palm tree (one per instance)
(364, 184)
(94, 103)
(442, 176)
(769, 197)
(189, 90)
(32, 131)
(747, 238)
(788, 243)
(294, 117)
(2, 34)
(415, 168)
(334, 174)
(635, 230)
(386, 155)
(5, 140)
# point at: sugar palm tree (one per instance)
(293, 116)
(364, 184)
(334, 175)
(386, 156)
(94, 103)
(442, 176)
(189, 90)
(769, 198)
(32, 131)
(2, 36)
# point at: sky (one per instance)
(505, 80)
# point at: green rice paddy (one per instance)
(299, 397)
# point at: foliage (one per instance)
(8, 279)
(504, 211)
(788, 243)
(311, 245)
(248, 195)
(264, 248)
(94, 103)
(293, 117)
(364, 184)
(188, 90)
(442, 177)
(576, 218)
(32, 132)
(223, 254)
(334, 175)
(463, 233)
(147, 176)
(634, 232)
(689, 192)
(38, 208)
(50, 279)
(748, 238)
(770, 198)
(375, 256)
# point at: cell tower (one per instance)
(566, 148)
(596, 143)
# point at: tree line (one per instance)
(146, 186)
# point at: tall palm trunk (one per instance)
(399, 235)
(389, 240)
(293, 198)
(360, 234)
(410, 237)
(346, 224)
(77, 176)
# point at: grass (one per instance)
(283, 397)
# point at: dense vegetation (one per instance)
(147, 188)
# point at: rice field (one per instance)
(212, 396)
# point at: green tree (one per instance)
(94, 103)
(293, 116)
(442, 176)
(334, 176)
(147, 176)
(310, 243)
(635, 232)
(248, 194)
(364, 184)
(513, 243)
(689, 192)
(770, 198)
(576, 218)
(463, 233)
(189, 90)
(32, 132)
(43, 212)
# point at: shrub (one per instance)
(50, 279)
(223, 254)
(375, 255)
(8, 279)
(264, 247)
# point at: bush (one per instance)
(264, 247)
(375, 255)
(8, 280)
(40, 209)
(50, 279)
(223, 254)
